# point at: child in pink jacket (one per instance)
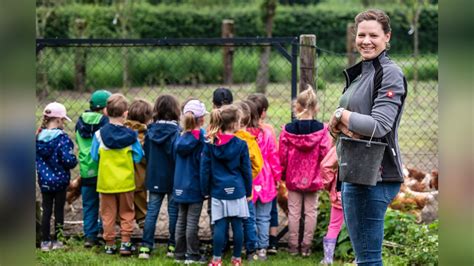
(329, 174)
(303, 145)
(264, 186)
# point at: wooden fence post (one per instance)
(80, 58)
(308, 69)
(350, 44)
(228, 52)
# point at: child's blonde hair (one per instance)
(222, 119)
(189, 122)
(140, 110)
(245, 111)
(306, 102)
(117, 105)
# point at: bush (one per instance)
(194, 65)
(186, 21)
(417, 242)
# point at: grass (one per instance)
(76, 254)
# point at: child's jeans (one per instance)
(262, 214)
(335, 222)
(187, 240)
(219, 236)
(153, 209)
(295, 201)
(58, 200)
(274, 214)
(250, 232)
(120, 204)
(90, 211)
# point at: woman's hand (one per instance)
(345, 130)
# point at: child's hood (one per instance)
(305, 142)
(245, 135)
(137, 127)
(89, 123)
(47, 141)
(187, 143)
(117, 137)
(228, 151)
(162, 132)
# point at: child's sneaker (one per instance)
(305, 252)
(192, 259)
(89, 242)
(170, 252)
(57, 245)
(273, 247)
(262, 254)
(293, 251)
(236, 261)
(45, 245)
(214, 262)
(110, 250)
(126, 249)
(144, 253)
(252, 255)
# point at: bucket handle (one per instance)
(373, 132)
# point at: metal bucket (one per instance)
(360, 161)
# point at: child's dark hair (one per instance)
(307, 101)
(221, 97)
(140, 110)
(254, 117)
(117, 105)
(223, 119)
(166, 108)
(260, 101)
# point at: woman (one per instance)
(373, 98)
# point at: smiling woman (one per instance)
(370, 108)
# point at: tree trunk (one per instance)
(80, 59)
(416, 47)
(263, 74)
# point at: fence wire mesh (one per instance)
(69, 74)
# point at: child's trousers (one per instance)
(295, 201)
(219, 236)
(58, 200)
(335, 222)
(120, 204)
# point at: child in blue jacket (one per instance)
(160, 154)
(54, 160)
(226, 176)
(187, 188)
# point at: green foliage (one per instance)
(416, 242)
(184, 21)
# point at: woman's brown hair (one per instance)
(377, 15)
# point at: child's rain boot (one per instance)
(329, 246)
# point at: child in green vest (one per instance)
(89, 122)
(116, 148)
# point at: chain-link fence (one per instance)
(68, 71)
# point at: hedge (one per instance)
(193, 65)
(159, 21)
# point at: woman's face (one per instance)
(370, 39)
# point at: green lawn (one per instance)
(75, 254)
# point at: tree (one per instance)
(413, 15)
(268, 9)
(124, 10)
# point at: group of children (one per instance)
(236, 164)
